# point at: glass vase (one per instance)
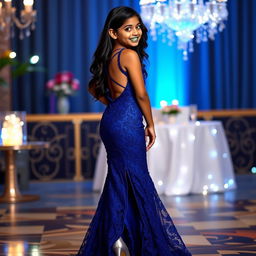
(63, 104)
(172, 119)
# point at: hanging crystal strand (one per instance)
(153, 31)
(21, 36)
(204, 34)
(33, 26)
(221, 26)
(199, 35)
(170, 36)
(12, 32)
(183, 46)
(164, 39)
(185, 55)
(180, 45)
(27, 32)
(164, 33)
(190, 46)
(161, 32)
(158, 13)
(211, 34)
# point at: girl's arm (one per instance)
(132, 64)
(102, 99)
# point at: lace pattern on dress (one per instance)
(174, 240)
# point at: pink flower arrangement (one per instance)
(171, 110)
(63, 84)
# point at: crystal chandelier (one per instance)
(8, 18)
(185, 19)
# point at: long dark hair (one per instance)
(115, 20)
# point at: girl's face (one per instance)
(129, 34)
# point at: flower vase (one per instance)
(172, 119)
(63, 104)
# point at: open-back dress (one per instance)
(129, 206)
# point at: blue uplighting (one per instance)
(166, 74)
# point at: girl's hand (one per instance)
(150, 133)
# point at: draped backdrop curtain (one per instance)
(219, 74)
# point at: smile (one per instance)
(134, 39)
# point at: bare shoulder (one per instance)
(130, 56)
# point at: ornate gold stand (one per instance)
(78, 174)
(11, 190)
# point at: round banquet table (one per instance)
(186, 158)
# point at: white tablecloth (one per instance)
(186, 158)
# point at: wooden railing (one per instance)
(244, 117)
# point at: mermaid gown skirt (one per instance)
(129, 206)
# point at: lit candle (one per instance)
(12, 134)
(175, 102)
(12, 55)
(163, 103)
(28, 5)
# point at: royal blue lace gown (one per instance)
(129, 205)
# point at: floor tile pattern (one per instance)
(217, 224)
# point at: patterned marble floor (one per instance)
(216, 224)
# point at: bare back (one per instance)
(117, 76)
